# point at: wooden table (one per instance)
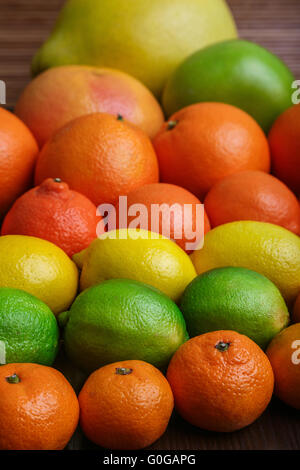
(275, 24)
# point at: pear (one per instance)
(145, 38)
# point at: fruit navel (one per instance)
(123, 371)
(221, 346)
(13, 379)
(172, 125)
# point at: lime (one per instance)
(236, 72)
(265, 248)
(28, 329)
(121, 320)
(234, 299)
(139, 255)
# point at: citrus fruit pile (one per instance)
(108, 255)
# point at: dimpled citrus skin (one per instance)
(284, 355)
(100, 156)
(254, 307)
(205, 142)
(122, 319)
(266, 248)
(40, 412)
(253, 195)
(128, 411)
(220, 390)
(40, 268)
(158, 261)
(285, 148)
(55, 213)
(28, 328)
(182, 229)
(18, 154)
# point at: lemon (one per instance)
(138, 255)
(266, 248)
(40, 268)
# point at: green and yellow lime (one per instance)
(236, 72)
(234, 299)
(120, 320)
(28, 329)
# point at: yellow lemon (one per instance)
(40, 268)
(266, 248)
(139, 255)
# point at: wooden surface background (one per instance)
(275, 24)
(25, 24)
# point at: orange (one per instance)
(253, 195)
(62, 94)
(100, 156)
(284, 355)
(285, 148)
(125, 405)
(38, 408)
(184, 223)
(221, 381)
(55, 213)
(205, 142)
(18, 153)
(296, 310)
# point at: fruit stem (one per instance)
(57, 180)
(13, 379)
(120, 117)
(123, 371)
(221, 346)
(172, 124)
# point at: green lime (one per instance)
(28, 329)
(236, 72)
(121, 320)
(236, 299)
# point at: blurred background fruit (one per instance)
(184, 227)
(62, 94)
(18, 153)
(40, 268)
(28, 329)
(285, 148)
(253, 195)
(284, 355)
(118, 34)
(119, 320)
(38, 408)
(136, 254)
(296, 310)
(236, 72)
(55, 213)
(100, 156)
(266, 248)
(125, 405)
(254, 307)
(221, 381)
(205, 142)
